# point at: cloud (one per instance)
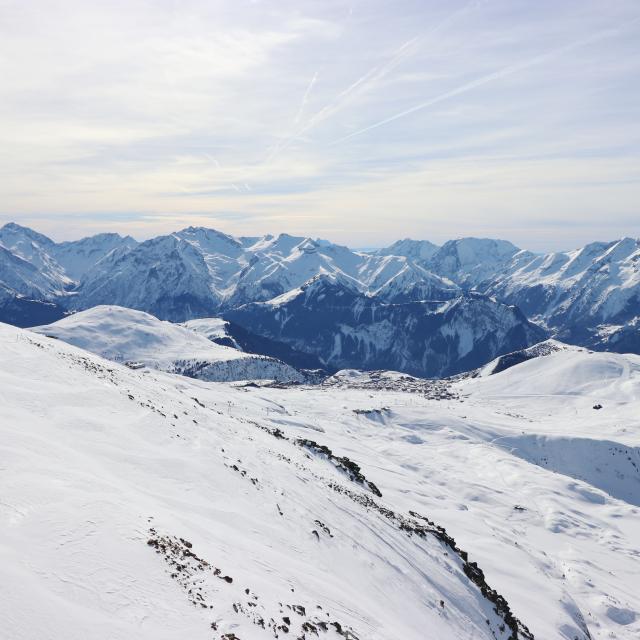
(368, 80)
(485, 79)
(169, 112)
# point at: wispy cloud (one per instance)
(183, 115)
(485, 79)
(368, 81)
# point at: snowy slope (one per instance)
(139, 504)
(124, 492)
(508, 360)
(523, 470)
(125, 335)
(600, 394)
(571, 372)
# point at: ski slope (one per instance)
(137, 503)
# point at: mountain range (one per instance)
(414, 306)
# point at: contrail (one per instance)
(478, 82)
(361, 84)
(305, 98)
(212, 159)
(283, 142)
(375, 74)
(369, 79)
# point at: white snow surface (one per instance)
(127, 335)
(96, 460)
(211, 328)
(538, 350)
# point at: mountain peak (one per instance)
(211, 240)
(420, 250)
(15, 231)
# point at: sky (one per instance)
(361, 122)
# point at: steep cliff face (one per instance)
(346, 329)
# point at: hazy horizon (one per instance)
(63, 238)
(359, 122)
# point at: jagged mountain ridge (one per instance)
(63, 264)
(588, 297)
(196, 271)
(572, 292)
(431, 339)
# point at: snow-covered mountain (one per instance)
(63, 263)
(37, 250)
(125, 335)
(472, 261)
(508, 360)
(24, 278)
(577, 291)
(345, 328)
(165, 276)
(589, 297)
(78, 257)
(137, 503)
(418, 250)
(466, 261)
(198, 272)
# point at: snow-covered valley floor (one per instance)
(139, 504)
